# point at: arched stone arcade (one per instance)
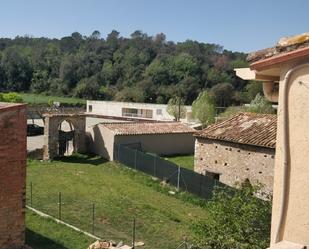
(51, 134)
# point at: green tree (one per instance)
(176, 108)
(235, 220)
(40, 82)
(87, 88)
(203, 109)
(223, 94)
(252, 89)
(261, 105)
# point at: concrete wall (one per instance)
(101, 141)
(12, 176)
(296, 228)
(235, 162)
(113, 108)
(161, 144)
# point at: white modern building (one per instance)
(132, 110)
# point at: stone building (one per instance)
(237, 149)
(12, 175)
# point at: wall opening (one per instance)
(66, 138)
(212, 175)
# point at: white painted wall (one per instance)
(113, 108)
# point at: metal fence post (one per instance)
(93, 208)
(178, 178)
(154, 166)
(31, 194)
(59, 206)
(133, 234)
(135, 159)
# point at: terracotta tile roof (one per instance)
(285, 46)
(245, 128)
(143, 128)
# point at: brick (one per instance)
(12, 177)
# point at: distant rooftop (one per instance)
(245, 128)
(6, 105)
(146, 128)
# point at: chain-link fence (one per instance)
(165, 170)
(83, 214)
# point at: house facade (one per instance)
(12, 175)
(238, 149)
(130, 110)
(284, 73)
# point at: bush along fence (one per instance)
(167, 171)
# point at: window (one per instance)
(213, 175)
(90, 108)
(159, 111)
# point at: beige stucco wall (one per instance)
(297, 221)
(161, 144)
(101, 141)
(235, 162)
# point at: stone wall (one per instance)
(51, 133)
(235, 162)
(12, 175)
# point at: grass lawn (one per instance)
(119, 195)
(186, 161)
(43, 233)
(32, 98)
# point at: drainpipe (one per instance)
(286, 153)
(270, 92)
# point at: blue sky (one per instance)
(238, 25)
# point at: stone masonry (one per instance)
(234, 162)
(51, 133)
(12, 175)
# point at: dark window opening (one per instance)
(213, 175)
(90, 108)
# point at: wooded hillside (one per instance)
(141, 68)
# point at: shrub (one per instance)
(235, 221)
(11, 97)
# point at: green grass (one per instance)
(44, 233)
(119, 194)
(186, 161)
(31, 98)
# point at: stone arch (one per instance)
(51, 133)
(66, 138)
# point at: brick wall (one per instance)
(235, 162)
(12, 175)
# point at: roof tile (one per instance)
(245, 128)
(143, 128)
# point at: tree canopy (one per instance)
(203, 109)
(141, 68)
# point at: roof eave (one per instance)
(279, 59)
(234, 142)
